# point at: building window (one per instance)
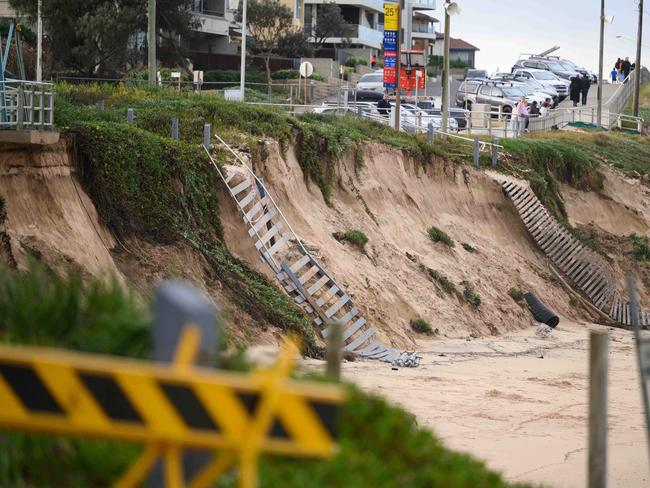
(298, 9)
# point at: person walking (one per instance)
(384, 106)
(619, 68)
(546, 106)
(626, 67)
(585, 84)
(575, 88)
(614, 75)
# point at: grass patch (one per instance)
(640, 247)
(516, 294)
(439, 278)
(438, 235)
(421, 326)
(353, 236)
(470, 294)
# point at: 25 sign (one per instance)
(391, 16)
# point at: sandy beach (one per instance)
(519, 402)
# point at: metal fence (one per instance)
(26, 105)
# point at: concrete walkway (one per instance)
(592, 97)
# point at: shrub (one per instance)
(421, 326)
(470, 293)
(353, 236)
(233, 76)
(445, 283)
(354, 61)
(437, 235)
(640, 247)
(516, 294)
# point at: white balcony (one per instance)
(211, 24)
(373, 5)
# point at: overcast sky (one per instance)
(503, 29)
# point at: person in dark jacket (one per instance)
(575, 88)
(534, 110)
(384, 106)
(585, 84)
(627, 67)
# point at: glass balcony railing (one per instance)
(423, 28)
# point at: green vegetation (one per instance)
(164, 192)
(436, 276)
(437, 235)
(253, 75)
(353, 236)
(294, 74)
(470, 293)
(354, 61)
(516, 294)
(640, 247)
(644, 104)
(421, 326)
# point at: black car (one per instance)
(365, 96)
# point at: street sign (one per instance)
(391, 30)
(169, 407)
(306, 69)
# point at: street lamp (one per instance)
(637, 75)
(631, 40)
(451, 8)
(242, 67)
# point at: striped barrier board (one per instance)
(589, 272)
(65, 393)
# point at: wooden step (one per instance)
(261, 222)
(360, 340)
(240, 187)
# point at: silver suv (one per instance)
(548, 65)
(499, 95)
(466, 94)
(546, 78)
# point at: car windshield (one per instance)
(545, 75)
(567, 66)
(556, 66)
(476, 73)
(535, 85)
(372, 78)
(512, 92)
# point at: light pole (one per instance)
(398, 91)
(39, 42)
(151, 40)
(637, 76)
(242, 67)
(451, 8)
(609, 20)
(631, 40)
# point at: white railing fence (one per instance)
(26, 105)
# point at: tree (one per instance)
(329, 23)
(294, 45)
(268, 22)
(93, 36)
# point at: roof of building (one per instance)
(457, 44)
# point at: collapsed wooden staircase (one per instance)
(299, 273)
(590, 273)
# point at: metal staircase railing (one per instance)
(299, 273)
(588, 271)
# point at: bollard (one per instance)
(476, 163)
(206, 136)
(597, 463)
(334, 350)
(175, 128)
(130, 115)
(431, 131)
(100, 105)
(359, 112)
(177, 305)
(495, 151)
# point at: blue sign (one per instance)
(390, 60)
(390, 40)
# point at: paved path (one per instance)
(592, 98)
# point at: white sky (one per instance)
(503, 29)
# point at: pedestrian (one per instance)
(614, 75)
(384, 106)
(585, 84)
(373, 61)
(546, 107)
(619, 68)
(521, 112)
(534, 110)
(574, 90)
(626, 67)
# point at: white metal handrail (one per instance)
(26, 105)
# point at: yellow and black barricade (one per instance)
(170, 407)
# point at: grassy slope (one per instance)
(380, 444)
(644, 103)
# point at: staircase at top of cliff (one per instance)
(589, 272)
(298, 272)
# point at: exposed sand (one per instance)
(525, 415)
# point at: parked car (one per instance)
(475, 73)
(372, 81)
(546, 78)
(546, 64)
(567, 63)
(503, 96)
(466, 94)
(365, 96)
(367, 108)
(460, 115)
(414, 117)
